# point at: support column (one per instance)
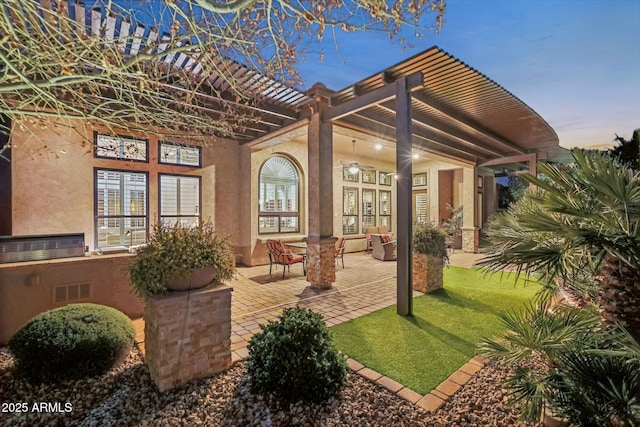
(470, 233)
(404, 164)
(321, 269)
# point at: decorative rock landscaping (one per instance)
(128, 396)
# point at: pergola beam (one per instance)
(431, 138)
(377, 96)
(530, 158)
(469, 124)
(433, 131)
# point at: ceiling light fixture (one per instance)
(353, 170)
(378, 147)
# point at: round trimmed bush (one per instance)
(295, 358)
(74, 341)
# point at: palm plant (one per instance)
(583, 220)
(589, 372)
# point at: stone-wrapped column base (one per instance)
(321, 265)
(470, 239)
(427, 273)
(187, 335)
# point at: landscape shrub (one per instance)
(295, 358)
(74, 341)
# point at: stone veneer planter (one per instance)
(427, 273)
(188, 335)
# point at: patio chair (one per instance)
(367, 235)
(279, 254)
(339, 254)
(383, 247)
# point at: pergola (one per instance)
(431, 101)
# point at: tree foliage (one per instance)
(628, 151)
(55, 68)
(585, 219)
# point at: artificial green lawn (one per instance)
(422, 351)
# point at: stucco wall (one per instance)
(53, 186)
(29, 288)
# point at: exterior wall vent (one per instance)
(37, 248)
(70, 293)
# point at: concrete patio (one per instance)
(363, 286)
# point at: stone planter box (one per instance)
(188, 335)
(427, 273)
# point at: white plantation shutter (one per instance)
(422, 207)
(179, 199)
(278, 208)
(121, 208)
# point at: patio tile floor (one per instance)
(363, 286)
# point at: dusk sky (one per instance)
(575, 62)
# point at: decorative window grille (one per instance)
(119, 147)
(177, 154)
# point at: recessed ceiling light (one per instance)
(378, 147)
(416, 156)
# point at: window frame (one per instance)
(96, 134)
(350, 177)
(368, 219)
(385, 178)
(348, 214)
(371, 176)
(98, 218)
(280, 216)
(420, 179)
(381, 215)
(160, 215)
(179, 147)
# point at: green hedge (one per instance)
(295, 358)
(74, 341)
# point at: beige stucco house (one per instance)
(391, 149)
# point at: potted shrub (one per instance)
(181, 258)
(188, 333)
(453, 226)
(429, 257)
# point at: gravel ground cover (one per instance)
(126, 396)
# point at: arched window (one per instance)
(278, 207)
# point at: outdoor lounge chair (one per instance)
(279, 254)
(383, 247)
(339, 254)
(383, 229)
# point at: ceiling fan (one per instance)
(353, 165)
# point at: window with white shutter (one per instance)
(120, 208)
(180, 199)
